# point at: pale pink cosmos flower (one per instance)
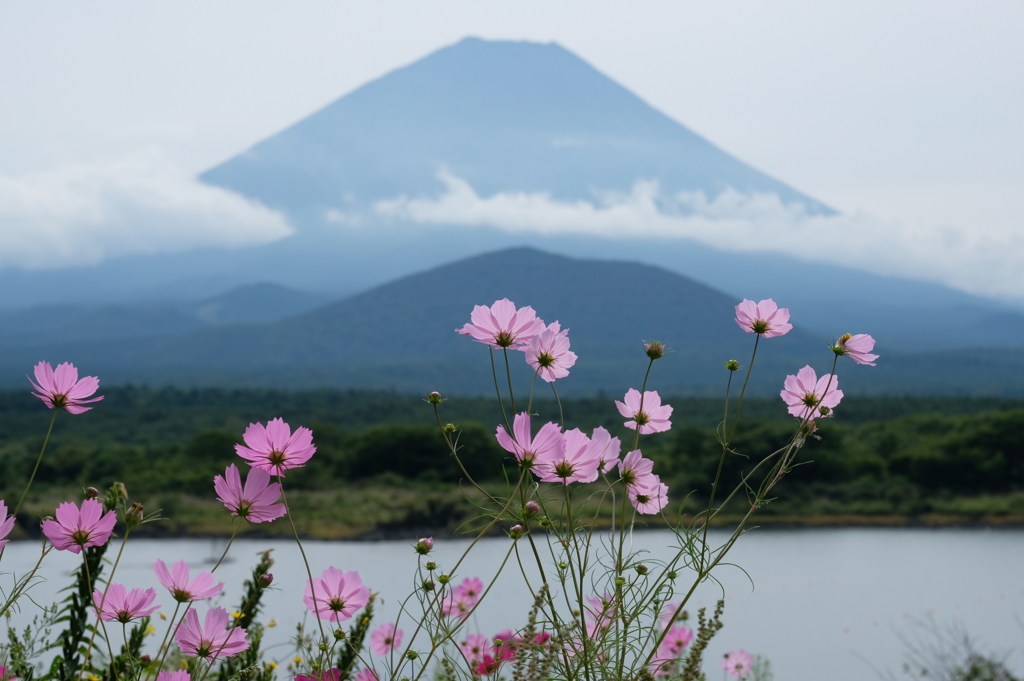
(651, 499)
(647, 412)
(474, 647)
(600, 610)
(549, 354)
(338, 595)
(669, 651)
(503, 326)
(176, 581)
(455, 605)
(366, 674)
(529, 450)
(62, 389)
(275, 448)
(256, 501)
(606, 448)
(4, 674)
(636, 471)
(765, 318)
(179, 675)
(75, 529)
(668, 616)
(6, 524)
(213, 639)
(738, 663)
(578, 463)
(805, 394)
(123, 605)
(385, 638)
(857, 347)
(471, 588)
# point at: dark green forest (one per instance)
(382, 466)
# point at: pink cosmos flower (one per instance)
(123, 605)
(505, 643)
(670, 650)
(600, 610)
(275, 448)
(636, 471)
(61, 389)
(366, 675)
(667, 615)
(338, 595)
(256, 501)
(6, 525)
(4, 673)
(176, 581)
(738, 663)
(385, 638)
(857, 347)
(474, 647)
(548, 445)
(765, 318)
(503, 326)
(805, 393)
(578, 463)
(75, 529)
(549, 354)
(455, 605)
(212, 640)
(180, 675)
(649, 500)
(607, 449)
(650, 416)
(471, 588)
(330, 675)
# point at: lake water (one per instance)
(825, 604)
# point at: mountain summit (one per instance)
(503, 116)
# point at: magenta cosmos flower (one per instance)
(765, 318)
(123, 605)
(738, 663)
(578, 461)
(669, 651)
(176, 581)
(385, 638)
(61, 389)
(75, 529)
(329, 675)
(338, 595)
(531, 450)
(857, 347)
(6, 525)
(366, 674)
(212, 640)
(549, 355)
(503, 326)
(647, 412)
(179, 675)
(275, 448)
(256, 501)
(4, 674)
(805, 393)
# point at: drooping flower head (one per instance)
(275, 448)
(738, 663)
(179, 675)
(176, 581)
(6, 525)
(549, 355)
(213, 639)
(61, 389)
(578, 462)
(123, 605)
(529, 450)
(338, 595)
(256, 501)
(765, 318)
(606, 448)
(503, 326)
(857, 347)
(647, 412)
(806, 394)
(75, 529)
(650, 499)
(385, 638)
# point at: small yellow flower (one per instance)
(163, 616)
(184, 665)
(238, 615)
(272, 665)
(150, 630)
(91, 677)
(296, 660)
(272, 623)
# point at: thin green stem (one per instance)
(561, 416)
(508, 376)
(497, 389)
(228, 547)
(103, 599)
(39, 460)
(309, 572)
(167, 633)
(106, 639)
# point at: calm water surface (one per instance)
(824, 604)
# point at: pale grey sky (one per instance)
(908, 111)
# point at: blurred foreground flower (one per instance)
(385, 638)
(6, 525)
(738, 663)
(76, 529)
(61, 389)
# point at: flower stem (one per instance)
(39, 460)
(103, 599)
(508, 376)
(226, 548)
(497, 390)
(309, 573)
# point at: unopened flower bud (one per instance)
(424, 546)
(620, 581)
(672, 574)
(428, 585)
(412, 655)
(516, 532)
(444, 579)
(119, 490)
(825, 411)
(338, 634)
(450, 428)
(91, 492)
(544, 522)
(267, 579)
(133, 516)
(654, 349)
(144, 660)
(732, 365)
(431, 565)
(532, 508)
(684, 615)
(323, 647)
(641, 569)
(434, 398)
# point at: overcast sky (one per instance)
(909, 112)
